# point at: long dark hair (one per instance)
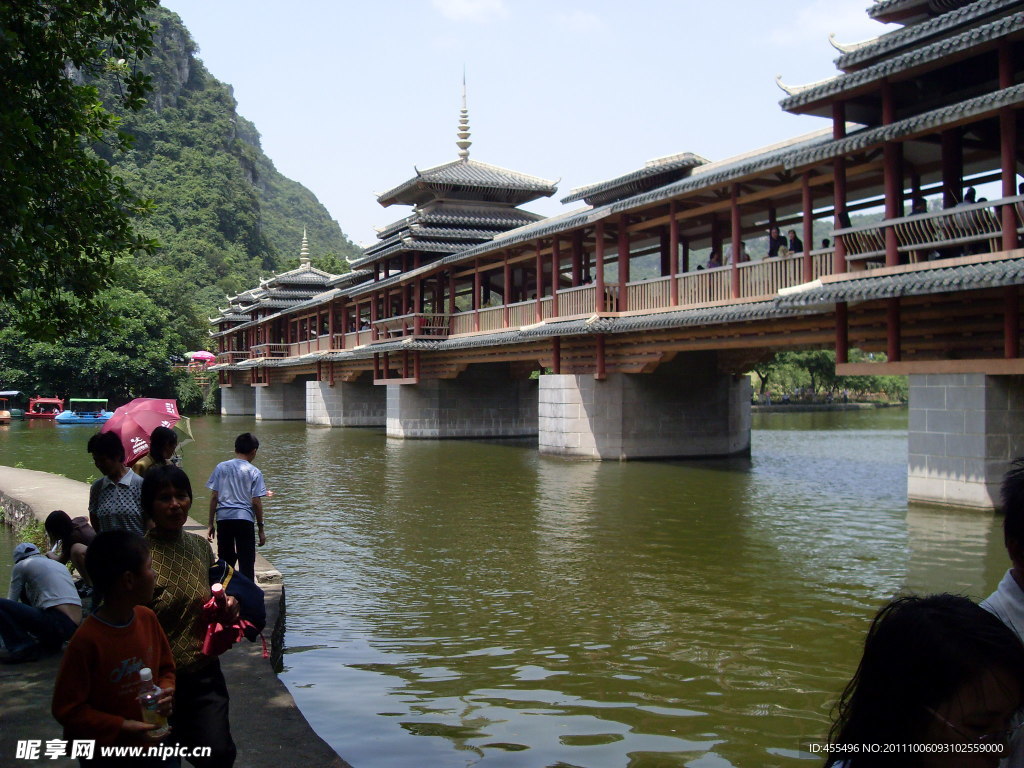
(161, 439)
(919, 652)
(159, 476)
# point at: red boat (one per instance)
(44, 407)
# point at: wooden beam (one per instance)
(988, 366)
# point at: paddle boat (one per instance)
(84, 410)
(44, 407)
(5, 415)
(13, 396)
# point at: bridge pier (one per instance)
(685, 408)
(964, 431)
(485, 401)
(346, 404)
(237, 400)
(281, 402)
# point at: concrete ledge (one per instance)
(267, 726)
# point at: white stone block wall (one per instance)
(685, 408)
(346, 404)
(483, 402)
(281, 402)
(239, 400)
(964, 431)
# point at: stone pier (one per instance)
(485, 401)
(239, 400)
(346, 404)
(686, 408)
(281, 402)
(964, 431)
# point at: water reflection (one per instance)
(454, 603)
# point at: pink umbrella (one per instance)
(201, 355)
(135, 422)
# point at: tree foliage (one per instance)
(64, 214)
(814, 371)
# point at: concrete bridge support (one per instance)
(346, 404)
(964, 431)
(686, 408)
(239, 400)
(281, 402)
(485, 401)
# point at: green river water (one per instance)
(457, 603)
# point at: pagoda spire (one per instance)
(304, 251)
(463, 133)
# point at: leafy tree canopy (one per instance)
(64, 215)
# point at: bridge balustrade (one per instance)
(273, 350)
(463, 322)
(655, 293)
(491, 318)
(921, 233)
(705, 286)
(766, 277)
(577, 301)
(521, 313)
(412, 324)
(357, 338)
(234, 356)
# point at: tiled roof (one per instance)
(310, 276)
(498, 219)
(926, 121)
(654, 173)
(472, 174)
(351, 278)
(936, 51)
(229, 318)
(919, 34)
(914, 9)
(966, 277)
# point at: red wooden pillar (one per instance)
(599, 266)
(451, 292)
(716, 237)
(893, 170)
(1008, 146)
(601, 372)
(734, 194)
(952, 168)
(476, 294)
(623, 262)
(673, 249)
(842, 333)
(839, 198)
(556, 262)
(807, 202)
(577, 257)
(538, 265)
(330, 324)
(506, 276)
(664, 252)
(556, 355)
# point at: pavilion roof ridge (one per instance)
(934, 51)
(904, 37)
(850, 47)
(681, 162)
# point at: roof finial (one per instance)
(304, 251)
(463, 133)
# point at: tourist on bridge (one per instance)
(42, 609)
(936, 670)
(182, 563)
(775, 242)
(236, 506)
(114, 498)
(794, 243)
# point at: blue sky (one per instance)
(350, 96)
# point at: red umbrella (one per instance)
(135, 422)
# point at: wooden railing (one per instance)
(522, 313)
(463, 322)
(413, 324)
(649, 294)
(965, 225)
(271, 350)
(491, 318)
(357, 338)
(766, 277)
(233, 356)
(576, 301)
(705, 286)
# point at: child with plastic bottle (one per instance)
(97, 693)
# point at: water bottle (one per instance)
(149, 696)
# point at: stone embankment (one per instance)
(265, 722)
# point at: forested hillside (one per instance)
(221, 212)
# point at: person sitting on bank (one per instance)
(42, 609)
(162, 444)
(775, 242)
(114, 499)
(95, 695)
(70, 539)
(794, 243)
(936, 670)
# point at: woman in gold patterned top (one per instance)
(182, 563)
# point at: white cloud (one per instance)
(581, 22)
(848, 19)
(471, 10)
